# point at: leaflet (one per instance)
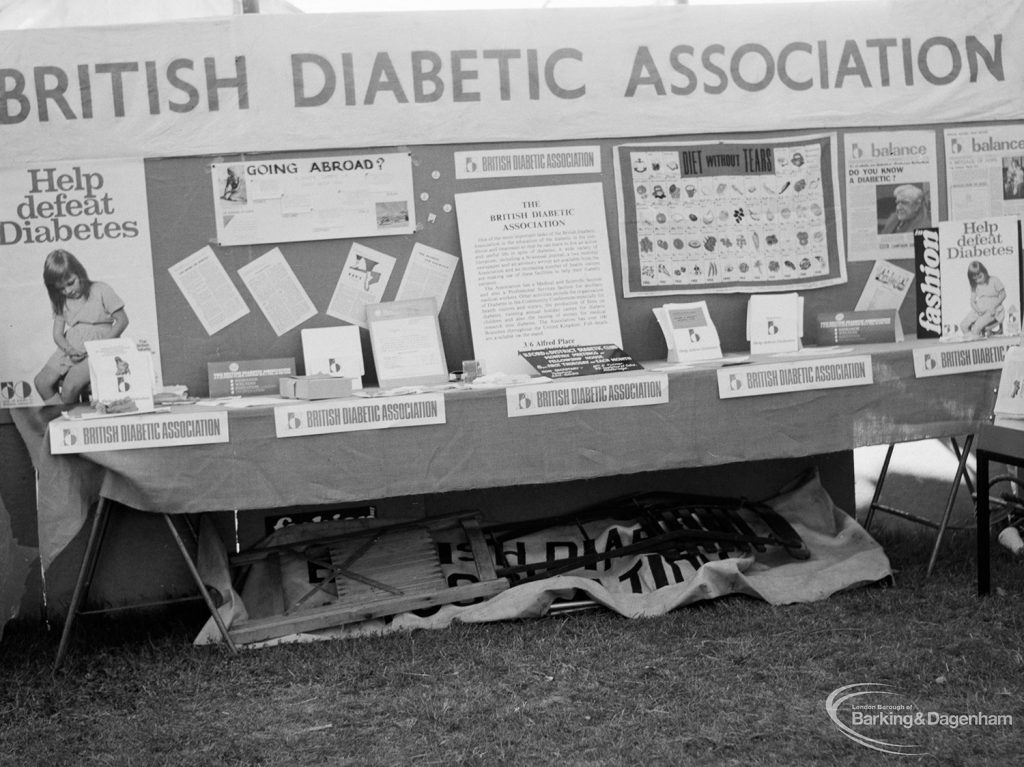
(364, 277)
(277, 291)
(209, 290)
(427, 275)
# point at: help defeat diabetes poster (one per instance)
(968, 278)
(95, 210)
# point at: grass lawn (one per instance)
(733, 681)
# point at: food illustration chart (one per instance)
(728, 217)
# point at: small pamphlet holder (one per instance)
(690, 335)
(1009, 407)
(334, 351)
(119, 371)
(775, 323)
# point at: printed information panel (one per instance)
(798, 375)
(587, 394)
(359, 415)
(69, 435)
(948, 359)
(324, 198)
(746, 217)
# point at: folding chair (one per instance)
(960, 476)
(998, 445)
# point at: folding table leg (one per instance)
(961, 475)
(878, 486)
(85, 573)
(202, 586)
(982, 512)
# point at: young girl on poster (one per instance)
(83, 310)
(987, 297)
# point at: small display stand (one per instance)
(775, 323)
(406, 341)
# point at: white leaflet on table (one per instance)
(690, 334)
(775, 322)
(334, 351)
(1010, 394)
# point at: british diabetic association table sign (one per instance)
(587, 393)
(94, 432)
(359, 414)
(795, 375)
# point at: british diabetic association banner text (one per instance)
(257, 82)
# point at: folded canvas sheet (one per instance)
(843, 556)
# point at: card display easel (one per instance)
(406, 341)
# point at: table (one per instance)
(995, 444)
(480, 447)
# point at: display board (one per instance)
(182, 223)
(183, 233)
(798, 153)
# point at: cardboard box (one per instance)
(315, 387)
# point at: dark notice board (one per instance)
(182, 221)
